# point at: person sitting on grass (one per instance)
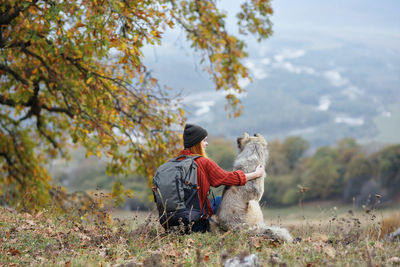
(209, 173)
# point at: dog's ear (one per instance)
(242, 140)
(261, 139)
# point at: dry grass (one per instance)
(136, 239)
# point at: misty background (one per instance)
(331, 70)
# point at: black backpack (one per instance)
(175, 191)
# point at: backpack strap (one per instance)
(206, 207)
(185, 157)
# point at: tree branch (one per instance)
(9, 164)
(38, 58)
(48, 137)
(59, 110)
(13, 73)
(7, 101)
(12, 13)
(8, 16)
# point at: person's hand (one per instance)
(256, 174)
(260, 170)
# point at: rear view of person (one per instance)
(181, 185)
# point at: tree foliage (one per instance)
(322, 178)
(73, 72)
(285, 156)
(358, 172)
(294, 148)
(388, 163)
(343, 172)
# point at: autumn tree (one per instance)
(283, 172)
(294, 148)
(73, 72)
(358, 172)
(284, 157)
(277, 163)
(388, 161)
(321, 175)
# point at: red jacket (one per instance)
(210, 174)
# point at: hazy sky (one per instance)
(368, 14)
(306, 24)
(370, 22)
(344, 46)
(360, 20)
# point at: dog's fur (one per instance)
(240, 204)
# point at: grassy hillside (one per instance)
(44, 240)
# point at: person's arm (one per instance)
(256, 174)
(217, 176)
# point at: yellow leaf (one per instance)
(141, 78)
(80, 24)
(88, 81)
(98, 153)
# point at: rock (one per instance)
(394, 235)
(247, 261)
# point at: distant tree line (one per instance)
(348, 171)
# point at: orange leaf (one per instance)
(14, 251)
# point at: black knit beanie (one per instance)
(193, 134)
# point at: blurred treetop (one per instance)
(73, 71)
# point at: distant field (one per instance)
(318, 211)
(309, 214)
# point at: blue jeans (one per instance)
(215, 203)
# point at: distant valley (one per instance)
(320, 93)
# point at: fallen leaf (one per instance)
(30, 222)
(319, 237)
(317, 246)
(26, 215)
(172, 253)
(255, 242)
(206, 258)
(14, 251)
(83, 236)
(38, 215)
(330, 251)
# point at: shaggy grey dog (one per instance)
(240, 204)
